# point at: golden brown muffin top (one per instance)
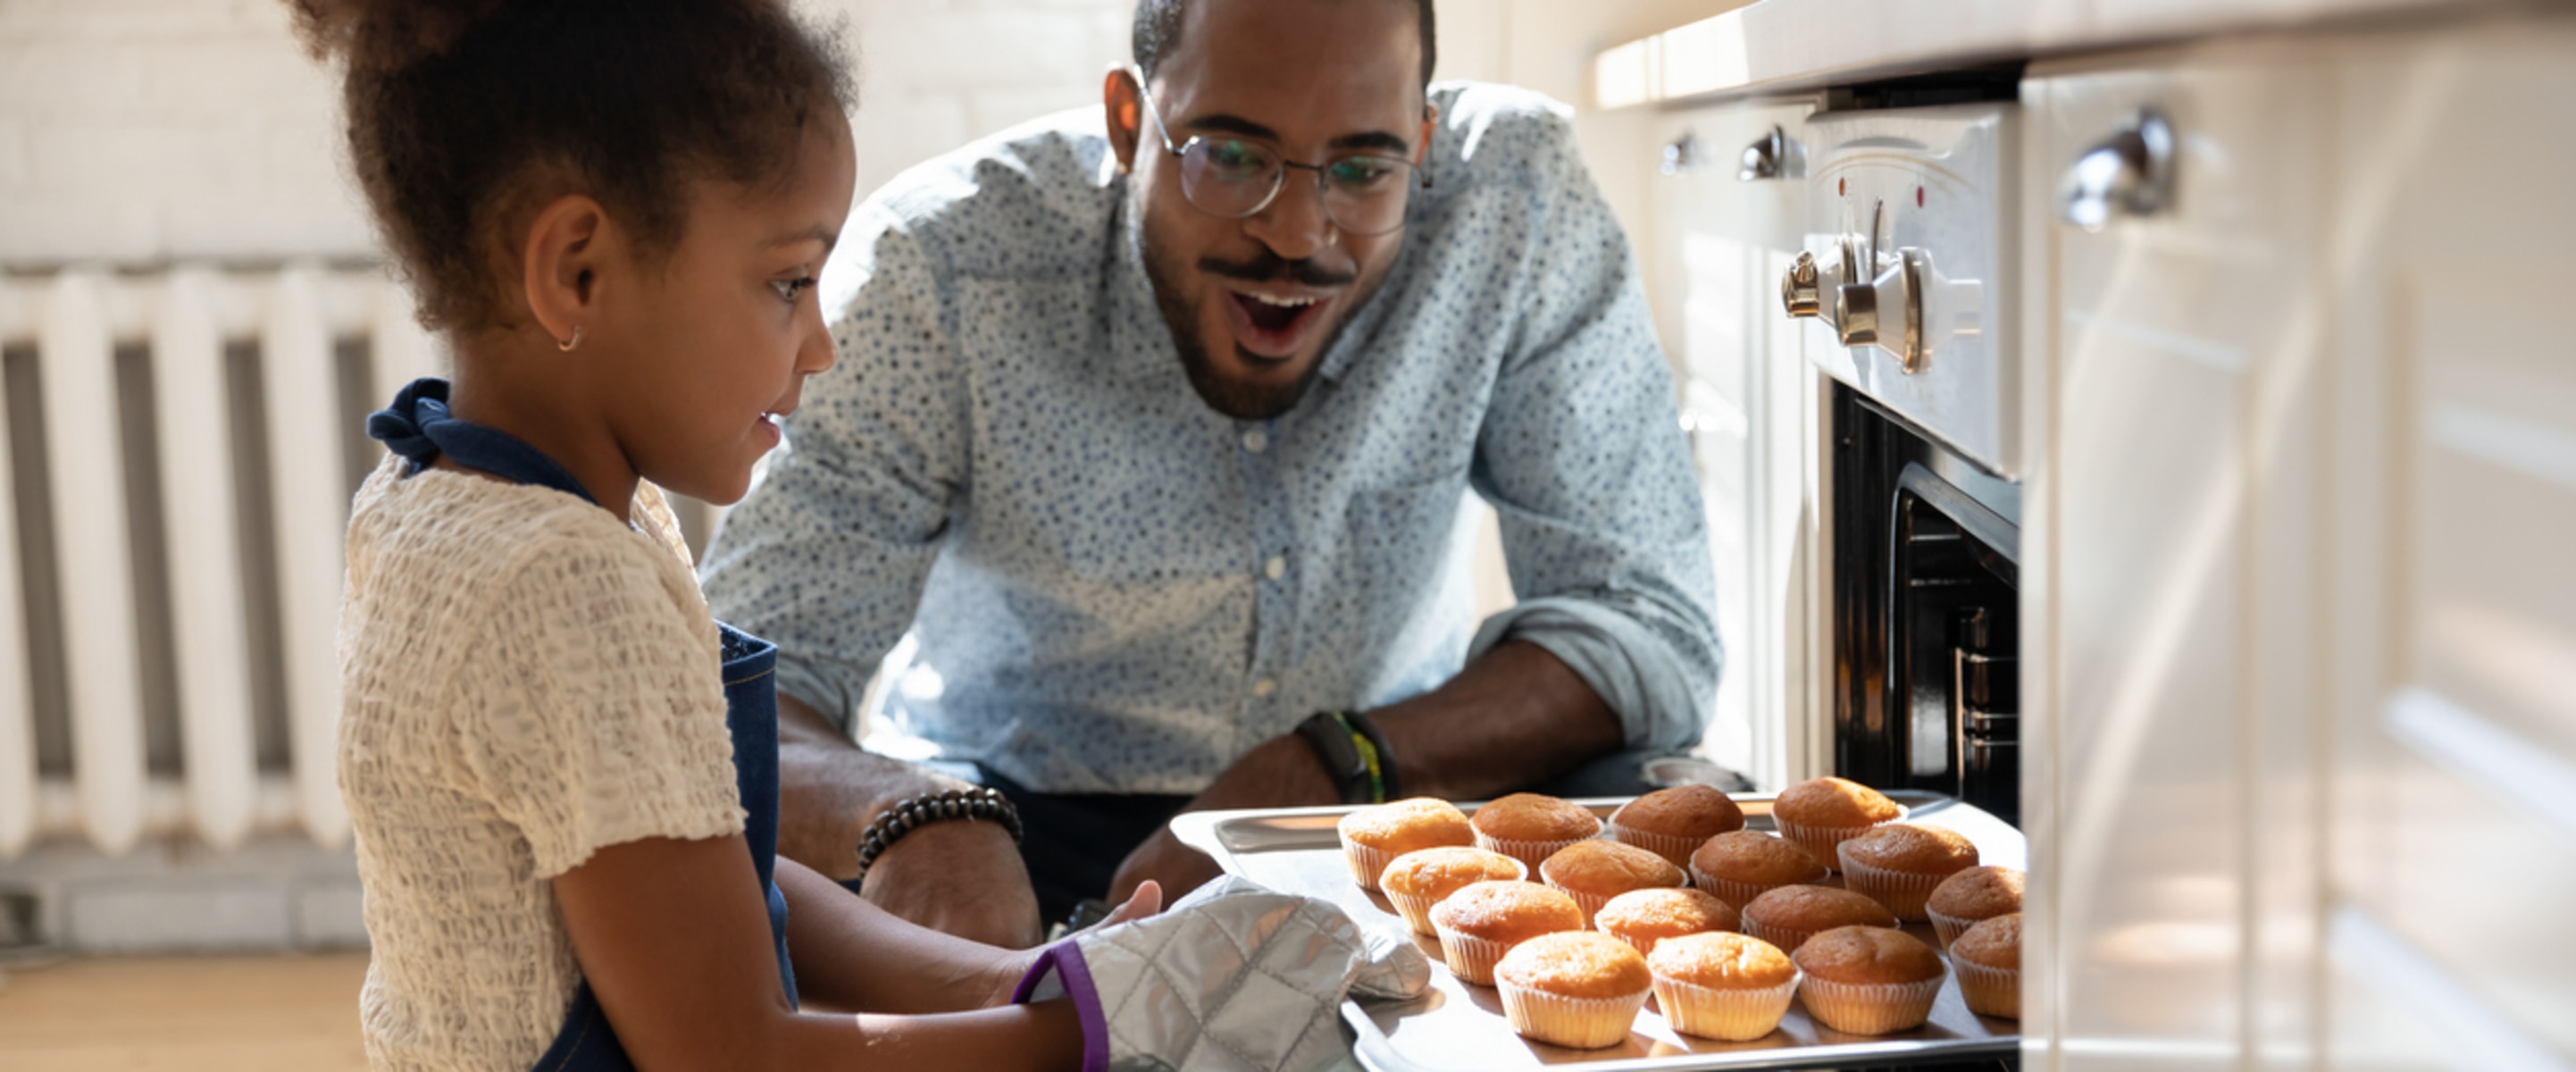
(1993, 943)
(1838, 803)
(1607, 868)
(1442, 870)
(1405, 825)
(1683, 811)
(1508, 911)
(1817, 908)
(1576, 964)
(1914, 850)
(1868, 955)
(1721, 961)
(1978, 893)
(1640, 915)
(1758, 858)
(1531, 817)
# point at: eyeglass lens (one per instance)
(1364, 195)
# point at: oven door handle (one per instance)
(2130, 173)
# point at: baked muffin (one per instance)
(1371, 837)
(1717, 985)
(1596, 871)
(1740, 865)
(1973, 895)
(1484, 920)
(1988, 959)
(1672, 822)
(1788, 916)
(1574, 988)
(1420, 879)
(1643, 917)
(1868, 980)
(1820, 812)
(1530, 828)
(1900, 863)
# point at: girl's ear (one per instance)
(1124, 103)
(567, 246)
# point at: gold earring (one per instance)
(567, 345)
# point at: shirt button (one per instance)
(1264, 687)
(1256, 441)
(1276, 568)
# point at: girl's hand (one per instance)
(1014, 964)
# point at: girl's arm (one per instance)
(675, 942)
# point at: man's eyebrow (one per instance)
(817, 233)
(1235, 124)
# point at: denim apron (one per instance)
(418, 427)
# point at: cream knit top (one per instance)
(524, 681)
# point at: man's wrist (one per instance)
(976, 804)
(1354, 754)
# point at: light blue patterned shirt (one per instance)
(1118, 589)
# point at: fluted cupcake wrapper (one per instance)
(1532, 853)
(1989, 991)
(1822, 842)
(1903, 892)
(1674, 847)
(1726, 1014)
(1735, 894)
(1416, 909)
(1581, 1023)
(1591, 902)
(1788, 939)
(1367, 862)
(1949, 927)
(1869, 1008)
(1470, 958)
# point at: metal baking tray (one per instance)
(1458, 1027)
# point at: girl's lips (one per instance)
(1288, 332)
(767, 430)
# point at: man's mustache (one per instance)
(1270, 267)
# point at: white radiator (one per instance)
(181, 452)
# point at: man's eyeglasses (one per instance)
(1362, 194)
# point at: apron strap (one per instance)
(419, 427)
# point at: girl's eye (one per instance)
(790, 289)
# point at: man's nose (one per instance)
(1294, 224)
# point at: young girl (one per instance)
(562, 773)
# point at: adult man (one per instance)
(1156, 436)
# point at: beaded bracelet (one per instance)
(912, 813)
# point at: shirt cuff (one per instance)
(819, 690)
(1627, 664)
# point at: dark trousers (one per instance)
(1077, 840)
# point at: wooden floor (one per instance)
(204, 1014)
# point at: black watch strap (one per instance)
(1354, 753)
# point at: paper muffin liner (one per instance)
(1416, 909)
(1949, 927)
(1532, 853)
(1989, 991)
(1470, 958)
(1723, 1013)
(1367, 862)
(1581, 1023)
(1869, 1008)
(1903, 892)
(1788, 939)
(1822, 841)
(1674, 847)
(1592, 902)
(1734, 893)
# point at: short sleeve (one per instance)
(594, 711)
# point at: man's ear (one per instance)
(1430, 122)
(560, 268)
(1123, 101)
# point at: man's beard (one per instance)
(1245, 401)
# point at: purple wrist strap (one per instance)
(1065, 959)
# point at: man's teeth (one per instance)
(1284, 303)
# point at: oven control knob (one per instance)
(1800, 291)
(1887, 311)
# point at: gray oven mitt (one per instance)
(1233, 977)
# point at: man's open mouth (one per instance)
(1274, 326)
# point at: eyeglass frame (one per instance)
(1279, 175)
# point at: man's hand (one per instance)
(960, 877)
(1163, 859)
(1281, 772)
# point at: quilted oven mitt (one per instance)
(1233, 978)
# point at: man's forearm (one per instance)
(829, 789)
(1516, 716)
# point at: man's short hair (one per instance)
(1158, 31)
